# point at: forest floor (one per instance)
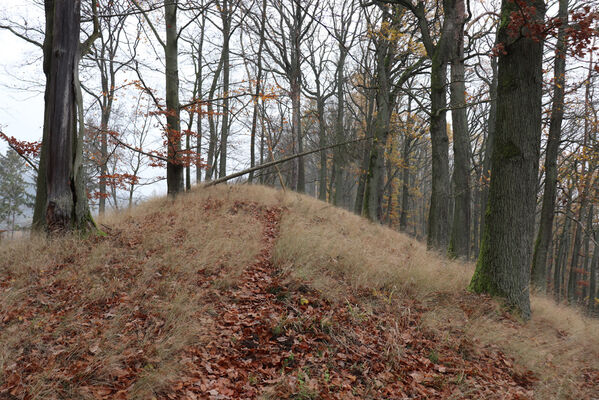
(245, 292)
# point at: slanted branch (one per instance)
(280, 161)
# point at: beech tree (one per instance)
(61, 199)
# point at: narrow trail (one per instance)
(189, 301)
(282, 340)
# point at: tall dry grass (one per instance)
(151, 259)
(324, 245)
(131, 298)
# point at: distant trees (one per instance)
(15, 198)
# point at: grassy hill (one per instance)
(245, 292)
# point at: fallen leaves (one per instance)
(261, 334)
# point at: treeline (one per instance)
(478, 121)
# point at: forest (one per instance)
(470, 126)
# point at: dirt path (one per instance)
(279, 339)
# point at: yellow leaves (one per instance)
(304, 301)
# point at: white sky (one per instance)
(21, 101)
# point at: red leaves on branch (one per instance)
(581, 30)
(24, 148)
(523, 22)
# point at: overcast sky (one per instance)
(22, 81)
(21, 90)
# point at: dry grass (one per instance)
(100, 305)
(143, 278)
(320, 244)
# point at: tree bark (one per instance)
(562, 253)
(503, 267)
(258, 91)
(224, 135)
(593, 279)
(459, 243)
(174, 166)
(486, 167)
(405, 173)
(338, 158)
(539, 258)
(438, 219)
(65, 202)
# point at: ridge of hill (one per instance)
(246, 292)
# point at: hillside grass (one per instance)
(325, 245)
(95, 308)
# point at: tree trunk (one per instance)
(459, 243)
(573, 275)
(562, 253)
(258, 92)
(174, 167)
(376, 168)
(438, 220)
(586, 248)
(359, 202)
(295, 82)
(405, 182)
(211, 124)
(322, 142)
(338, 158)
(486, 167)
(593, 279)
(539, 258)
(503, 266)
(224, 135)
(361, 190)
(66, 199)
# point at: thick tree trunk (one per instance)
(459, 243)
(539, 258)
(174, 166)
(375, 180)
(438, 220)
(66, 200)
(503, 266)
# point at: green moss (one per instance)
(508, 150)
(482, 281)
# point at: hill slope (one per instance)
(246, 292)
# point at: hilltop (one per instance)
(246, 292)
